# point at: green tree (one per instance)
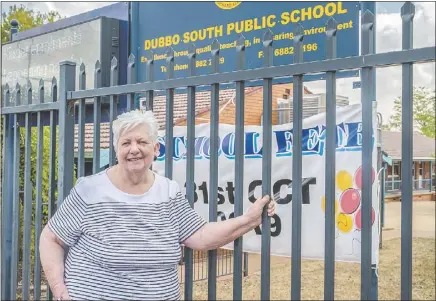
(424, 110)
(27, 19)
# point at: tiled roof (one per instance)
(423, 147)
(202, 103)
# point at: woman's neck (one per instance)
(133, 183)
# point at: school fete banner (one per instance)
(348, 200)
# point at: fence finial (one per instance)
(368, 20)
(215, 44)
(170, 53)
(192, 50)
(331, 27)
(114, 63)
(298, 33)
(97, 66)
(240, 43)
(82, 68)
(150, 56)
(29, 85)
(131, 60)
(41, 84)
(408, 11)
(267, 37)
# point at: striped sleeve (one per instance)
(66, 223)
(188, 220)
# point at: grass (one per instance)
(347, 277)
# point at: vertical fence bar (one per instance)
(113, 109)
(190, 190)
(131, 79)
(16, 197)
(6, 206)
(431, 175)
(266, 167)
(367, 103)
(407, 15)
(239, 167)
(383, 192)
(81, 125)
(67, 83)
(27, 204)
(213, 169)
(330, 167)
(52, 163)
(97, 120)
(297, 196)
(38, 203)
(150, 77)
(169, 143)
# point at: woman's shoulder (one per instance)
(168, 185)
(86, 184)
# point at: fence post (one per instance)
(6, 239)
(7, 188)
(67, 83)
(407, 15)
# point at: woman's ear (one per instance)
(156, 150)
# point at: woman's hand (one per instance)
(60, 292)
(254, 213)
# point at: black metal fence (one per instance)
(22, 217)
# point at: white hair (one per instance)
(132, 119)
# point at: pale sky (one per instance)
(388, 38)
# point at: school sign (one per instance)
(159, 25)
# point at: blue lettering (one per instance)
(178, 152)
(228, 146)
(284, 143)
(198, 144)
(354, 131)
(251, 147)
(311, 141)
(161, 155)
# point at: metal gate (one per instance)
(38, 200)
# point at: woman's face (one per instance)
(136, 150)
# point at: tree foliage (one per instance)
(424, 110)
(27, 19)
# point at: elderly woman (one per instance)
(124, 226)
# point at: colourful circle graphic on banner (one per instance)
(350, 201)
(344, 180)
(358, 177)
(323, 205)
(344, 222)
(358, 220)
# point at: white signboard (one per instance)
(348, 182)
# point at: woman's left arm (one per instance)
(217, 234)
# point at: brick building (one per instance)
(281, 105)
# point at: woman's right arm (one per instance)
(52, 253)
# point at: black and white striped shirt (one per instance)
(124, 246)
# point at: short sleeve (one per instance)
(67, 221)
(188, 220)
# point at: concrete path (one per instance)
(423, 220)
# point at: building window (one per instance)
(421, 168)
(396, 169)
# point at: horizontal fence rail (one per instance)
(38, 176)
(388, 59)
